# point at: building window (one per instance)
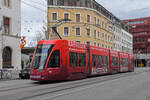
(7, 57)
(88, 32)
(88, 18)
(98, 44)
(78, 17)
(103, 45)
(98, 34)
(106, 26)
(78, 31)
(87, 3)
(77, 41)
(78, 3)
(111, 39)
(88, 42)
(55, 2)
(66, 31)
(94, 34)
(6, 21)
(54, 16)
(95, 20)
(103, 24)
(106, 37)
(7, 3)
(103, 36)
(94, 43)
(50, 2)
(98, 22)
(66, 16)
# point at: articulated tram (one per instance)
(67, 60)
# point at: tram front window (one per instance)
(41, 55)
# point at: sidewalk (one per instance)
(142, 69)
(9, 75)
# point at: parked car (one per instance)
(25, 73)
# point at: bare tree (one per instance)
(39, 35)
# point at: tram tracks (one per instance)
(74, 85)
(32, 91)
(15, 88)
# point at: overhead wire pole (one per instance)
(60, 22)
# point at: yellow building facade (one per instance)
(86, 25)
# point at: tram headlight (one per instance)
(50, 72)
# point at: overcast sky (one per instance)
(34, 12)
(127, 9)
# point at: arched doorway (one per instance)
(7, 57)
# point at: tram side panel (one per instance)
(124, 62)
(99, 62)
(113, 61)
(131, 62)
(77, 64)
(56, 67)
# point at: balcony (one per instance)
(139, 43)
(140, 30)
(141, 35)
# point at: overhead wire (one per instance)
(38, 3)
(34, 6)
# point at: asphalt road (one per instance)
(124, 86)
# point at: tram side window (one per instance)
(124, 62)
(93, 60)
(82, 60)
(105, 60)
(54, 59)
(132, 62)
(114, 61)
(73, 59)
(97, 61)
(100, 61)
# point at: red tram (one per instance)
(67, 60)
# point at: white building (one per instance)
(10, 32)
(127, 41)
(117, 38)
(123, 40)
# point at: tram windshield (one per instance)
(41, 55)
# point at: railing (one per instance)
(8, 74)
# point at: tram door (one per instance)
(88, 60)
